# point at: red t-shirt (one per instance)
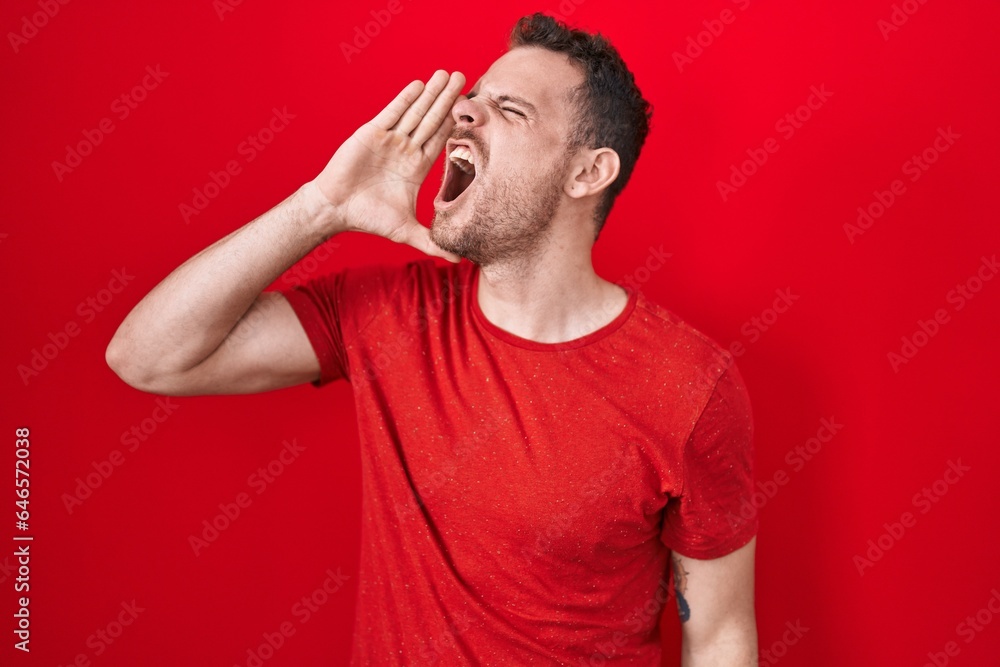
(520, 499)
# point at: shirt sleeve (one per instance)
(713, 515)
(319, 304)
(336, 309)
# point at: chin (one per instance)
(462, 232)
(446, 228)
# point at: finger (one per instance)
(391, 114)
(419, 237)
(411, 118)
(433, 146)
(441, 109)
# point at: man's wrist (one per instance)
(322, 214)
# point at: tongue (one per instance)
(458, 182)
(463, 182)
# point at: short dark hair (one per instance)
(610, 109)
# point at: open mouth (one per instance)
(460, 171)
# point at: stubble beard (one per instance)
(509, 222)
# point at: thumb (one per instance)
(419, 237)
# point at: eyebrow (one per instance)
(509, 98)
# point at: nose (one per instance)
(467, 113)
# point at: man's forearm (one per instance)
(186, 317)
(174, 340)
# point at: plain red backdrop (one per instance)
(894, 75)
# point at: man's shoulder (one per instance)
(676, 329)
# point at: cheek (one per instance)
(525, 165)
(524, 159)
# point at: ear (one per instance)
(592, 170)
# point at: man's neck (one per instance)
(553, 298)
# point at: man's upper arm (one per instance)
(711, 534)
(715, 601)
(712, 514)
(267, 349)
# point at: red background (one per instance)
(826, 357)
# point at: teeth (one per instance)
(463, 159)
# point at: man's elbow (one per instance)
(129, 369)
(732, 645)
(118, 362)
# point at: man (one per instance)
(536, 440)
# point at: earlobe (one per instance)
(573, 186)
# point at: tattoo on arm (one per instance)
(680, 587)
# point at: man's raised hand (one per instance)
(373, 179)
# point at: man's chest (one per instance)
(534, 461)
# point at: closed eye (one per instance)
(502, 98)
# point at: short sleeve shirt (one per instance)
(520, 499)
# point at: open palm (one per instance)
(374, 177)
